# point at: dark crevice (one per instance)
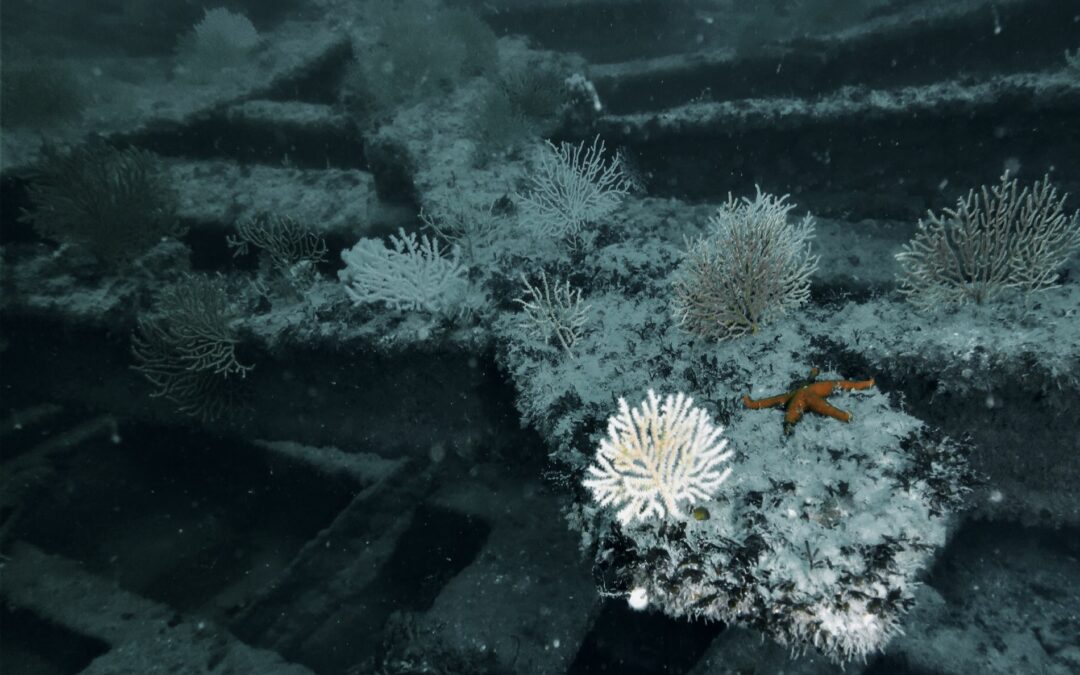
(319, 82)
(895, 664)
(14, 197)
(921, 52)
(1012, 427)
(351, 397)
(392, 167)
(30, 644)
(266, 14)
(840, 291)
(1018, 431)
(851, 365)
(983, 551)
(976, 536)
(635, 643)
(181, 516)
(891, 168)
(601, 31)
(210, 250)
(435, 547)
(216, 136)
(29, 437)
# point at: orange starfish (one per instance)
(809, 395)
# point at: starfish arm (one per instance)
(820, 389)
(823, 407)
(795, 408)
(854, 385)
(771, 402)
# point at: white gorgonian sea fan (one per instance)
(411, 274)
(657, 455)
(572, 185)
(554, 310)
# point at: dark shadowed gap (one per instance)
(918, 53)
(599, 31)
(216, 136)
(436, 546)
(30, 645)
(14, 198)
(888, 167)
(191, 520)
(638, 643)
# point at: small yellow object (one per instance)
(700, 513)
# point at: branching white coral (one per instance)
(555, 311)
(656, 456)
(411, 274)
(572, 185)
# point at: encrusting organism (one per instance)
(810, 395)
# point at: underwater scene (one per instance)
(465, 337)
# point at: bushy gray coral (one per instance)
(289, 252)
(116, 204)
(221, 41)
(752, 267)
(996, 239)
(187, 350)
